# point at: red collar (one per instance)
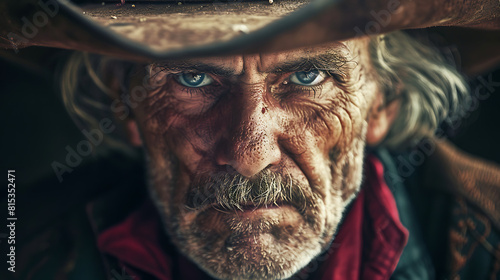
(371, 238)
(368, 245)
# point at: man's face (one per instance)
(253, 158)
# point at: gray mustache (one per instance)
(226, 191)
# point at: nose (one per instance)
(250, 144)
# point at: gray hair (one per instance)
(430, 88)
(88, 98)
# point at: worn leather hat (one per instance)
(175, 29)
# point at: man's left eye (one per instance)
(194, 79)
(307, 78)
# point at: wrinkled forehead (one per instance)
(324, 56)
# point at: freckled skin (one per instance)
(248, 123)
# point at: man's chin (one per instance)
(272, 242)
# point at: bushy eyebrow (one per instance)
(199, 67)
(331, 62)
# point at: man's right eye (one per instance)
(194, 80)
(307, 78)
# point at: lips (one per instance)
(253, 207)
(249, 207)
(272, 212)
(250, 217)
(251, 212)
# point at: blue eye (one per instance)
(194, 79)
(307, 78)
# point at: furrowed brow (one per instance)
(198, 67)
(330, 62)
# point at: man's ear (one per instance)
(381, 117)
(133, 134)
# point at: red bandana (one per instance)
(368, 245)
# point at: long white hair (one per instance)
(430, 87)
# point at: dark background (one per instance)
(35, 127)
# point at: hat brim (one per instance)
(155, 30)
(160, 30)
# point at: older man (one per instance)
(253, 159)
(273, 165)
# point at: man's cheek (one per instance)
(329, 128)
(185, 143)
(348, 123)
(325, 125)
(160, 136)
(163, 110)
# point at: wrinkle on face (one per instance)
(253, 120)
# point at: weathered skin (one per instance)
(249, 122)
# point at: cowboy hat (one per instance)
(156, 30)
